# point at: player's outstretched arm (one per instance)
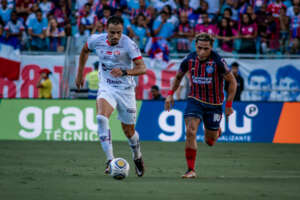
(231, 93)
(169, 102)
(84, 54)
(138, 69)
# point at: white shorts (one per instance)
(124, 103)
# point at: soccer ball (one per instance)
(119, 168)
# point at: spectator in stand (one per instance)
(162, 27)
(10, 3)
(273, 33)
(34, 8)
(5, 11)
(98, 28)
(80, 37)
(184, 34)
(257, 4)
(56, 36)
(155, 93)
(61, 12)
(127, 30)
(247, 32)
(46, 6)
(99, 7)
(251, 13)
(80, 4)
(198, 14)
(2, 38)
(184, 8)
(206, 26)
(261, 20)
(290, 11)
(159, 4)
(37, 31)
(105, 16)
(274, 8)
(141, 31)
(23, 8)
(88, 19)
(284, 30)
(14, 29)
(172, 16)
(142, 8)
(226, 35)
(242, 6)
(295, 30)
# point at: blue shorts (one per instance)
(211, 115)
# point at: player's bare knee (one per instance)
(129, 131)
(191, 133)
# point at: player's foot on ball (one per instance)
(139, 167)
(107, 168)
(189, 174)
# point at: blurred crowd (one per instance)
(241, 26)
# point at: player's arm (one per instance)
(231, 92)
(84, 55)
(138, 69)
(169, 102)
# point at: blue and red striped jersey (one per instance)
(207, 77)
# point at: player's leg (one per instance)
(134, 143)
(212, 121)
(104, 110)
(127, 115)
(192, 124)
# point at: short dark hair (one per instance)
(115, 20)
(96, 65)
(235, 64)
(155, 87)
(206, 37)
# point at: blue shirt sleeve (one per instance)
(184, 65)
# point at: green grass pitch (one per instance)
(62, 170)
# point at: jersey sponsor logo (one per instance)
(117, 53)
(109, 81)
(109, 52)
(209, 69)
(202, 80)
(131, 110)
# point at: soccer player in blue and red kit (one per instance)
(207, 73)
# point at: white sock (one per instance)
(134, 144)
(105, 136)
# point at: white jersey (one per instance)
(117, 56)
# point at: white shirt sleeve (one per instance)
(91, 42)
(133, 50)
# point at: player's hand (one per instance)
(169, 102)
(79, 81)
(116, 72)
(228, 111)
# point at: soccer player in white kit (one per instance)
(116, 54)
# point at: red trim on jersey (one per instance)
(191, 81)
(217, 85)
(86, 44)
(203, 86)
(210, 86)
(197, 95)
(137, 58)
(107, 42)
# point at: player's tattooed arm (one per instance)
(177, 80)
(84, 54)
(138, 69)
(169, 102)
(231, 92)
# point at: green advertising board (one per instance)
(53, 120)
